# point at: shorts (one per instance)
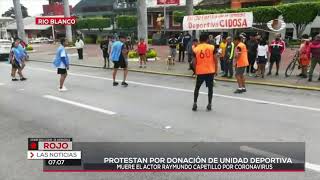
(275, 59)
(173, 52)
(16, 66)
(208, 78)
(120, 64)
(240, 70)
(62, 71)
(261, 60)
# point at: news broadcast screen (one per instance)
(64, 155)
(159, 89)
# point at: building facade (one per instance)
(54, 8)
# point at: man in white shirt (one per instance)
(79, 45)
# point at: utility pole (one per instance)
(19, 20)
(142, 19)
(189, 10)
(67, 14)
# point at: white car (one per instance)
(41, 40)
(5, 47)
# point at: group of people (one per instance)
(205, 64)
(114, 50)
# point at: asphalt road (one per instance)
(151, 108)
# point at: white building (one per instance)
(312, 29)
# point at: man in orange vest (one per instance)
(241, 63)
(205, 69)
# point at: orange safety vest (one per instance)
(205, 62)
(242, 60)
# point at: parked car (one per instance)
(41, 40)
(5, 46)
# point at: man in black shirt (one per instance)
(104, 46)
(252, 46)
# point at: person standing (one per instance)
(173, 42)
(304, 55)
(16, 60)
(262, 58)
(228, 58)
(61, 62)
(222, 52)
(181, 47)
(104, 46)
(276, 48)
(241, 63)
(142, 51)
(191, 56)
(185, 41)
(252, 46)
(80, 45)
(315, 56)
(119, 54)
(205, 67)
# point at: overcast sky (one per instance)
(34, 6)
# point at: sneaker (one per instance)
(63, 89)
(115, 83)
(23, 79)
(310, 79)
(300, 75)
(277, 74)
(251, 75)
(319, 79)
(14, 79)
(244, 90)
(238, 91)
(124, 84)
(194, 107)
(269, 73)
(140, 66)
(209, 107)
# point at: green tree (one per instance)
(299, 14)
(10, 12)
(126, 22)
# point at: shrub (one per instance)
(149, 41)
(133, 54)
(151, 53)
(89, 40)
(29, 48)
(127, 22)
(92, 23)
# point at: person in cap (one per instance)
(119, 54)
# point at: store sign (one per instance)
(167, 2)
(218, 21)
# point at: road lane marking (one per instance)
(255, 151)
(92, 108)
(1, 84)
(191, 91)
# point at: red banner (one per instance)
(164, 2)
(55, 21)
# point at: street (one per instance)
(152, 108)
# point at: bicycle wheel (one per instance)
(291, 68)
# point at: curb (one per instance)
(311, 88)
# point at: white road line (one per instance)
(79, 105)
(1, 84)
(191, 91)
(314, 167)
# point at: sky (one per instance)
(34, 6)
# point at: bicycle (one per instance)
(292, 65)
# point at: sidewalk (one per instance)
(93, 58)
